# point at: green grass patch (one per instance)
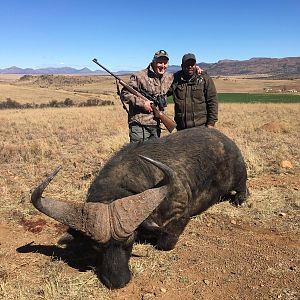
(254, 98)
(257, 98)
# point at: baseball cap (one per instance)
(161, 53)
(187, 57)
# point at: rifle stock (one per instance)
(168, 122)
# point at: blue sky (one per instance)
(123, 35)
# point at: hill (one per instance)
(273, 67)
(288, 67)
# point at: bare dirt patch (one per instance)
(217, 257)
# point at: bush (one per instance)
(9, 103)
(12, 104)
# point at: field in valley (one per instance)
(252, 252)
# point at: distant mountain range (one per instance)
(288, 67)
(63, 70)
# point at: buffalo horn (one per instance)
(128, 213)
(102, 221)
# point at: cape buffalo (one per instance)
(148, 191)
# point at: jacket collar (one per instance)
(191, 80)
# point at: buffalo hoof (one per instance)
(239, 198)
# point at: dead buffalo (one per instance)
(148, 191)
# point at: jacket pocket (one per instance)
(198, 93)
(180, 92)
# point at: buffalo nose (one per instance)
(116, 282)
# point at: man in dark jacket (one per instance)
(194, 95)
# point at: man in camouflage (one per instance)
(155, 81)
(194, 95)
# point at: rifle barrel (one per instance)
(169, 124)
(109, 72)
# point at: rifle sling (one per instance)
(119, 94)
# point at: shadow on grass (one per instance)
(77, 256)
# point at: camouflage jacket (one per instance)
(195, 101)
(147, 81)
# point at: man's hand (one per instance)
(198, 70)
(148, 106)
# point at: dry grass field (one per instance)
(42, 89)
(226, 253)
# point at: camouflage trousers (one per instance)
(139, 133)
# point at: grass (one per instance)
(34, 141)
(257, 98)
(254, 98)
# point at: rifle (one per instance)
(168, 122)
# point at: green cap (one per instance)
(187, 57)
